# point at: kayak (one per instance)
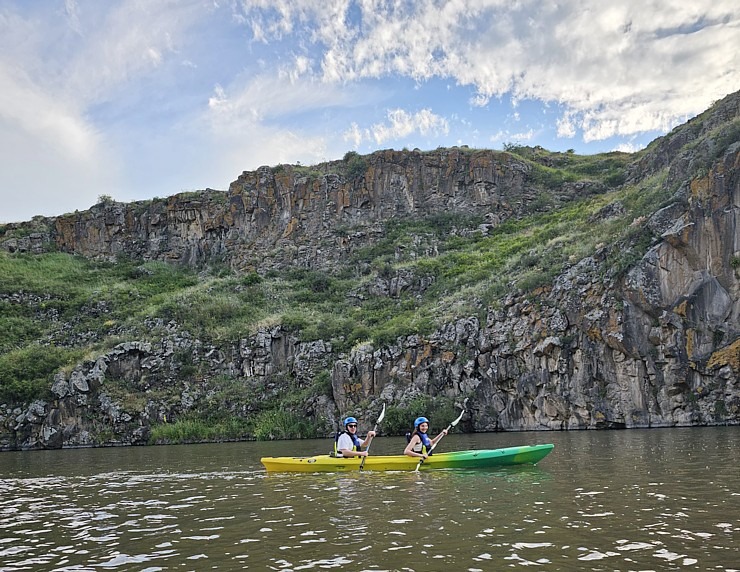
(483, 459)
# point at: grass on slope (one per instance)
(57, 307)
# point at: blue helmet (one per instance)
(419, 421)
(349, 420)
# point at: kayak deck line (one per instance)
(472, 459)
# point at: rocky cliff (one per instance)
(296, 216)
(653, 343)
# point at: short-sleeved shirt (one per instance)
(344, 442)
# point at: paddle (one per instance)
(380, 418)
(450, 426)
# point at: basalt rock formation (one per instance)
(657, 345)
(288, 216)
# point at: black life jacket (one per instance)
(426, 443)
(355, 440)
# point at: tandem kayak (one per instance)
(483, 459)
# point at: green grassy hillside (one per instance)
(56, 309)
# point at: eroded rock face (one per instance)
(657, 346)
(311, 220)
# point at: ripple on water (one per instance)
(474, 521)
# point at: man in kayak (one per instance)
(348, 444)
(420, 445)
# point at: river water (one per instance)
(660, 499)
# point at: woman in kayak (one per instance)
(348, 444)
(420, 445)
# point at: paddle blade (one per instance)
(380, 417)
(456, 421)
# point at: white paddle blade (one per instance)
(456, 421)
(382, 414)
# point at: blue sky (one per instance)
(147, 98)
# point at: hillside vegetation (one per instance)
(536, 289)
(81, 307)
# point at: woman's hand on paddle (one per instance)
(438, 437)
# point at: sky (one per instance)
(136, 99)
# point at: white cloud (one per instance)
(73, 20)
(267, 96)
(566, 126)
(28, 107)
(629, 147)
(133, 40)
(613, 68)
(244, 126)
(354, 135)
(499, 137)
(399, 124)
(136, 97)
(39, 179)
(55, 65)
(53, 159)
(506, 136)
(523, 136)
(479, 100)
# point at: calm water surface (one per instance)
(661, 499)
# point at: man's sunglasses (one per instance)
(352, 425)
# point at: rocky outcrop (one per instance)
(310, 218)
(116, 398)
(654, 344)
(656, 347)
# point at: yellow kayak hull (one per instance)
(486, 458)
